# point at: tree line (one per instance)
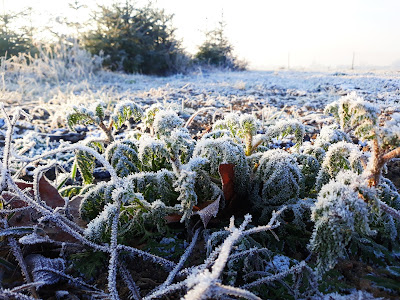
(130, 39)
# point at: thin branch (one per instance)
(392, 154)
(182, 260)
(234, 291)
(167, 264)
(389, 210)
(190, 120)
(295, 269)
(112, 268)
(126, 276)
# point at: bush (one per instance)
(14, 39)
(136, 40)
(217, 51)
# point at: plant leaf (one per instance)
(86, 164)
(227, 173)
(209, 212)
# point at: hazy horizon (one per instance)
(311, 34)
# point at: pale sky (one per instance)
(269, 33)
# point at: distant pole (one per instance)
(352, 62)
(288, 60)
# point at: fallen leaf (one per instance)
(48, 193)
(209, 212)
(227, 173)
(173, 218)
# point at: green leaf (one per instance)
(100, 111)
(124, 111)
(95, 199)
(70, 191)
(76, 118)
(123, 157)
(86, 164)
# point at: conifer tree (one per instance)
(135, 39)
(14, 39)
(217, 51)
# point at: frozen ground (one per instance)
(220, 89)
(259, 92)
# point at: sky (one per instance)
(272, 34)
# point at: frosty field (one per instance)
(118, 186)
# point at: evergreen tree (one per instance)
(217, 50)
(14, 39)
(135, 39)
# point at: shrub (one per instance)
(217, 51)
(14, 39)
(136, 40)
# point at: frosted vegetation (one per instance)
(163, 147)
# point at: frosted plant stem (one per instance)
(190, 120)
(28, 286)
(295, 269)
(37, 175)
(234, 291)
(181, 262)
(7, 148)
(107, 131)
(389, 210)
(75, 281)
(374, 172)
(89, 150)
(16, 250)
(167, 264)
(131, 285)
(392, 154)
(204, 283)
(167, 290)
(112, 268)
(54, 217)
(20, 258)
(7, 294)
(36, 186)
